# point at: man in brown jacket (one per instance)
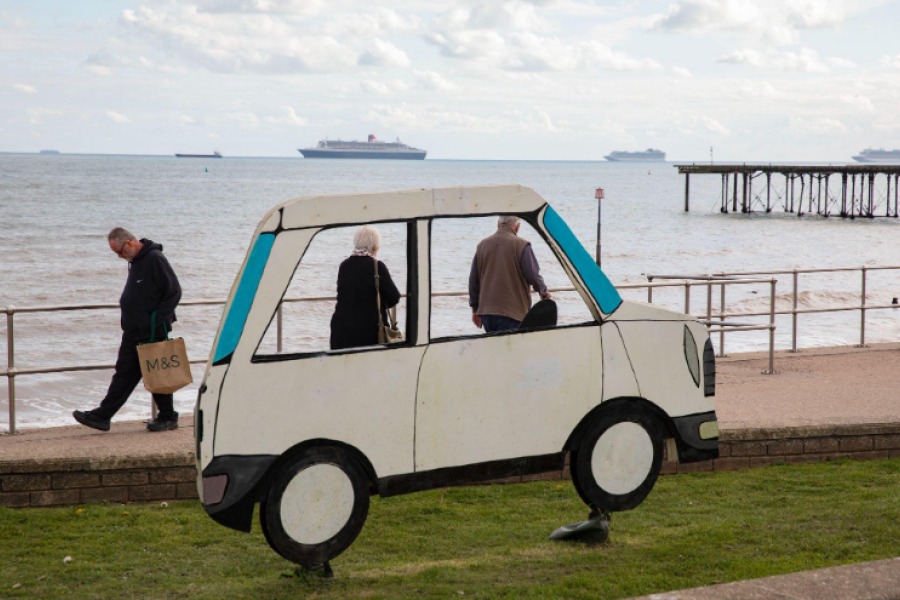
(503, 268)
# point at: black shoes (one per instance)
(89, 419)
(160, 424)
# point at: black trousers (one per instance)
(125, 379)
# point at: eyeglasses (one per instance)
(121, 250)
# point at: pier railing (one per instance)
(718, 322)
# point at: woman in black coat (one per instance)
(355, 319)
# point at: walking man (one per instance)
(151, 286)
(503, 268)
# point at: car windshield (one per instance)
(603, 291)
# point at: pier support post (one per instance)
(687, 191)
(768, 192)
(887, 204)
(744, 195)
(843, 194)
(827, 177)
(871, 195)
(734, 196)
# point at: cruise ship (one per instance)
(215, 154)
(878, 156)
(373, 148)
(648, 155)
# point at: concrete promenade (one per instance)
(821, 404)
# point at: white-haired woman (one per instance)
(355, 319)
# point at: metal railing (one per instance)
(862, 307)
(687, 282)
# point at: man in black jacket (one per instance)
(151, 286)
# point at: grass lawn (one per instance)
(487, 542)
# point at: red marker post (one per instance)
(598, 195)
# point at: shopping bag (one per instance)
(164, 364)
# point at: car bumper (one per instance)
(698, 437)
(231, 488)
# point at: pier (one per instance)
(848, 191)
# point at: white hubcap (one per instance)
(317, 504)
(622, 458)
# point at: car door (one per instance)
(505, 395)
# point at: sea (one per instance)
(55, 212)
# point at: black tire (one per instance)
(637, 453)
(282, 522)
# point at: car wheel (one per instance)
(316, 506)
(619, 459)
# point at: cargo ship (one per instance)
(878, 156)
(372, 148)
(215, 154)
(648, 155)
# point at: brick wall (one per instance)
(55, 483)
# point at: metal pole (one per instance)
(599, 203)
(278, 325)
(862, 312)
(768, 192)
(687, 297)
(722, 318)
(771, 330)
(687, 190)
(794, 316)
(11, 368)
(709, 303)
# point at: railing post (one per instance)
(794, 316)
(278, 325)
(687, 297)
(771, 329)
(650, 291)
(722, 318)
(862, 312)
(709, 302)
(11, 367)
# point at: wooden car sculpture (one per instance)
(310, 436)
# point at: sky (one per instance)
(771, 80)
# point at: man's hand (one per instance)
(477, 320)
(547, 296)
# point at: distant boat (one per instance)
(878, 156)
(49, 151)
(648, 155)
(372, 148)
(215, 154)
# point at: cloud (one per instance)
(817, 125)
(510, 14)
(380, 53)
(434, 81)
(187, 120)
(36, 116)
(361, 25)
(526, 51)
(289, 117)
(118, 118)
(25, 89)
(714, 126)
(804, 60)
(860, 103)
(234, 42)
(439, 118)
(892, 62)
(103, 62)
(681, 72)
(384, 88)
(773, 21)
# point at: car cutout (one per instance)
(309, 442)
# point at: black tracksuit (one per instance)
(151, 285)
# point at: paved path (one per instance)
(815, 387)
(876, 580)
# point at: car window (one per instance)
(453, 244)
(309, 303)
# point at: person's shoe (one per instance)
(160, 424)
(89, 419)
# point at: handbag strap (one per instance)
(378, 294)
(153, 328)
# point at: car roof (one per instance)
(338, 209)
